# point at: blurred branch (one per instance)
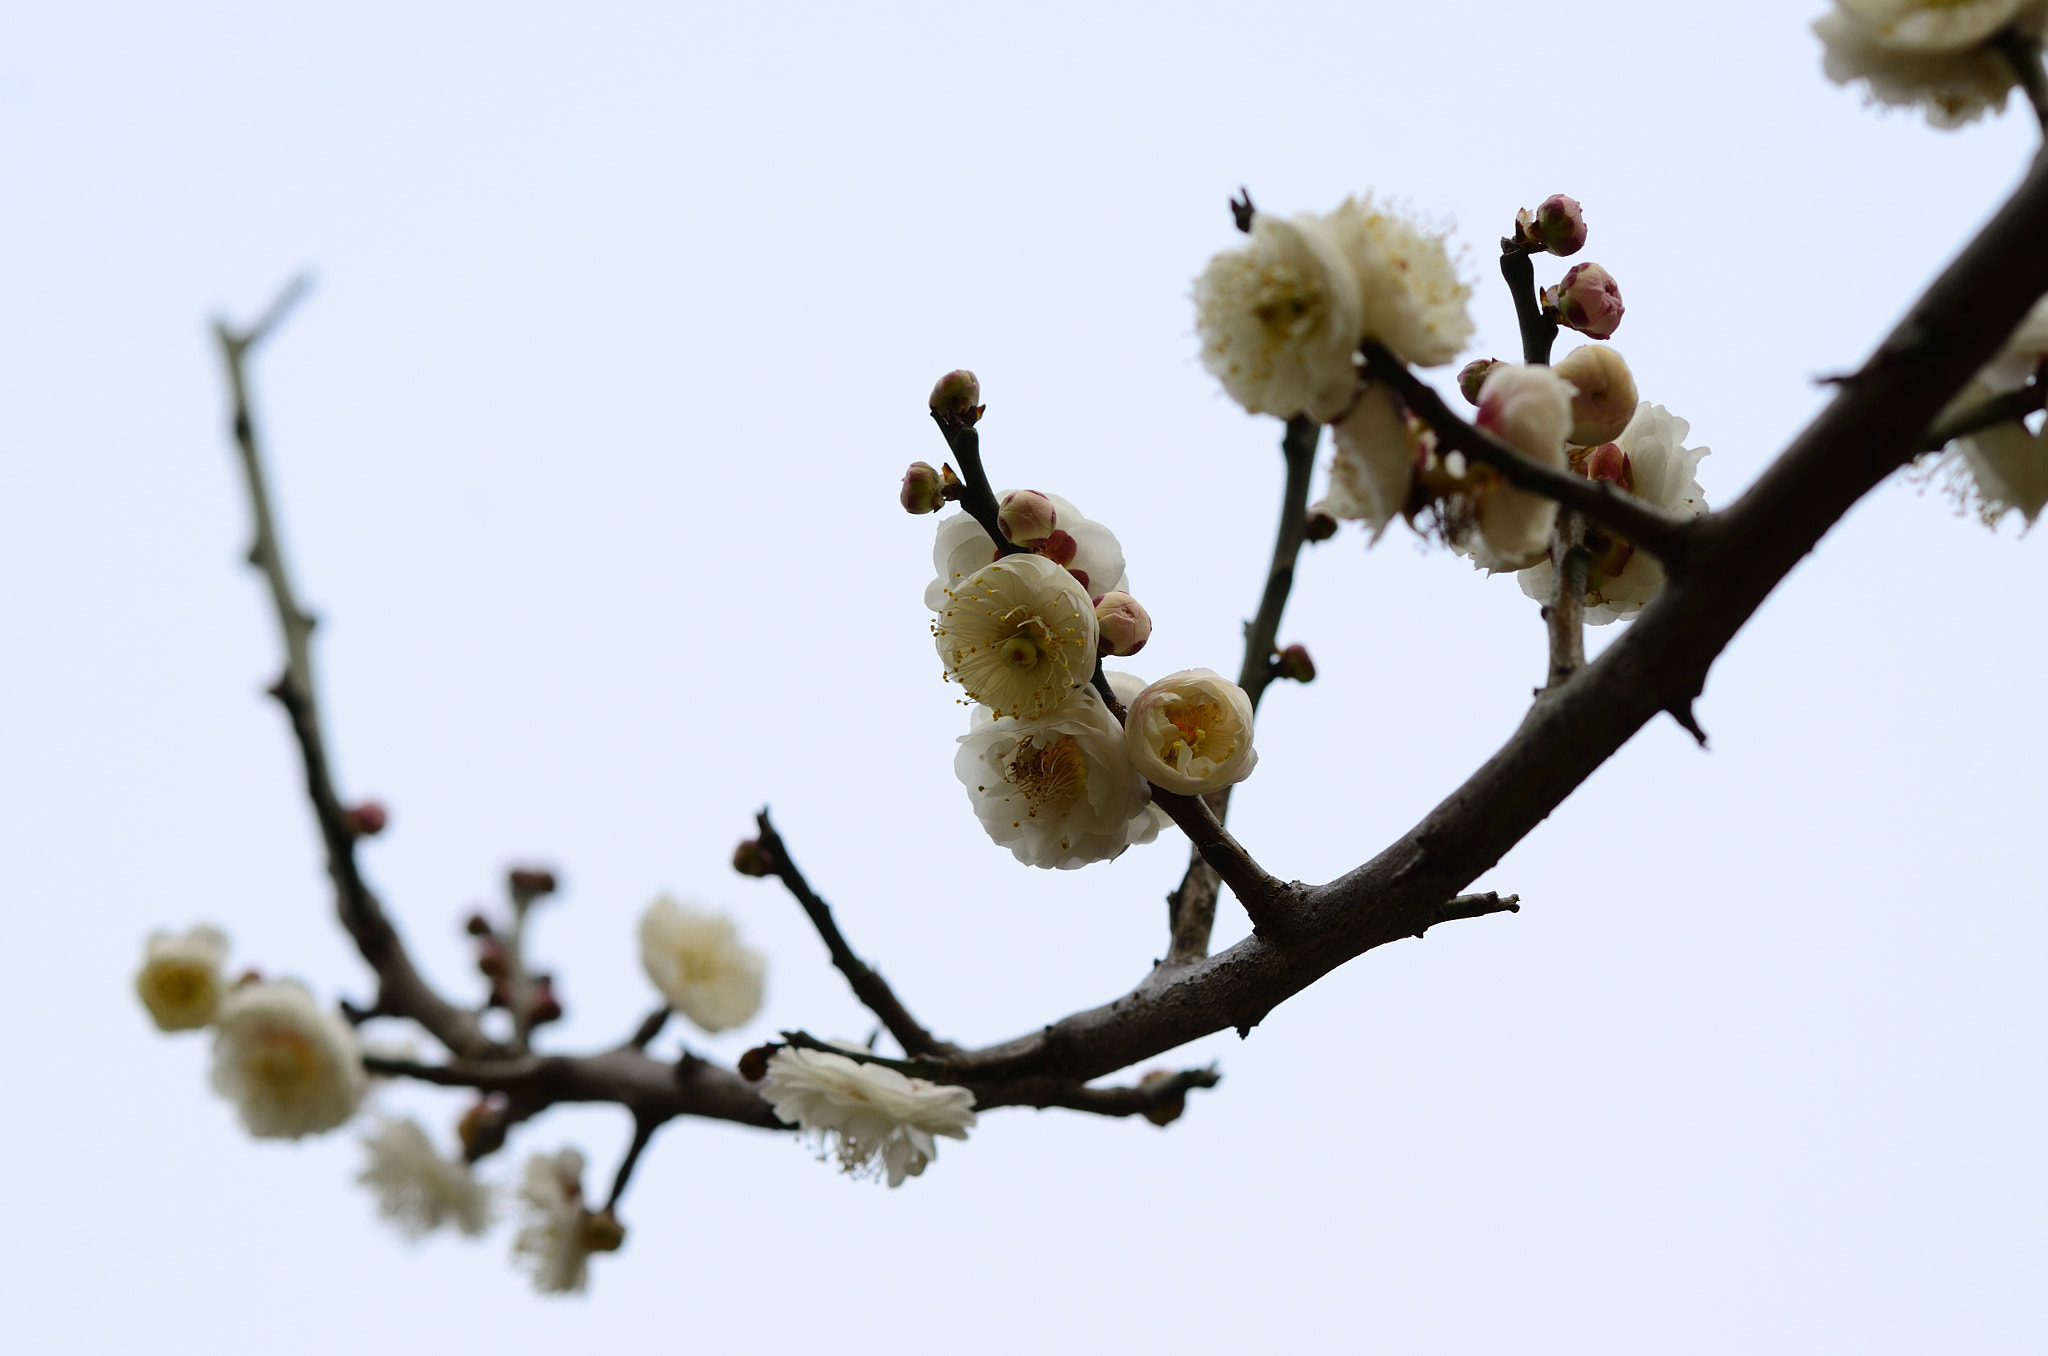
(1539, 332)
(1565, 615)
(2023, 53)
(2005, 408)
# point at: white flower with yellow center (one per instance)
(1280, 317)
(1059, 791)
(1191, 732)
(697, 961)
(1530, 408)
(417, 1189)
(290, 1067)
(1412, 299)
(180, 980)
(873, 1117)
(1375, 462)
(1018, 635)
(2004, 468)
(1659, 468)
(962, 547)
(1930, 53)
(554, 1242)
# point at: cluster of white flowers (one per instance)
(2004, 468)
(872, 1117)
(1936, 54)
(1281, 317)
(697, 961)
(416, 1188)
(291, 1067)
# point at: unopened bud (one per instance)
(748, 859)
(481, 1129)
(957, 397)
(923, 490)
(1560, 225)
(1058, 547)
(545, 1006)
(1589, 301)
(602, 1232)
(1473, 375)
(477, 925)
(492, 958)
(1122, 623)
(1169, 1109)
(1321, 525)
(1606, 398)
(754, 1063)
(530, 882)
(1608, 462)
(1027, 517)
(366, 820)
(1293, 662)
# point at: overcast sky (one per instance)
(586, 446)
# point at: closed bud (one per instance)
(602, 1232)
(1122, 624)
(366, 820)
(1589, 301)
(1560, 225)
(530, 882)
(748, 859)
(1606, 398)
(1473, 375)
(923, 490)
(1167, 1109)
(477, 925)
(1293, 662)
(1321, 525)
(482, 1128)
(1027, 517)
(545, 1006)
(754, 1063)
(492, 958)
(957, 397)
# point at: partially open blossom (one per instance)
(1472, 376)
(1127, 686)
(1931, 53)
(872, 1117)
(1589, 301)
(956, 396)
(1122, 624)
(961, 547)
(554, 1243)
(1651, 461)
(180, 980)
(1530, 407)
(1191, 732)
(1059, 791)
(923, 489)
(1558, 225)
(1375, 461)
(2006, 466)
(1411, 297)
(1294, 662)
(1026, 517)
(290, 1067)
(697, 961)
(417, 1189)
(1280, 317)
(1604, 394)
(1018, 636)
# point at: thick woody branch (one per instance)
(651, 1089)
(1667, 537)
(868, 984)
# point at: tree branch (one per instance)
(2006, 408)
(963, 440)
(2023, 53)
(643, 1132)
(1539, 332)
(650, 1088)
(1265, 897)
(1565, 614)
(1664, 535)
(1149, 1096)
(868, 984)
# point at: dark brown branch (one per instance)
(649, 1028)
(650, 1088)
(643, 1131)
(963, 439)
(1539, 332)
(2005, 408)
(1662, 534)
(1141, 1100)
(2023, 53)
(1565, 615)
(1265, 897)
(868, 984)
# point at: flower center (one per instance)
(1193, 725)
(1053, 775)
(179, 986)
(1019, 652)
(284, 1060)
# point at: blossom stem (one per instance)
(1539, 332)
(643, 1131)
(963, 439)
(1662, 534)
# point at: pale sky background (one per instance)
(587, 446)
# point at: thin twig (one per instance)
(650, 1027)
(868, 984)
(1565, 615)
(1662, 534)
(1140, 1100)
(643, 1131)
(1539, 332)
(963, 439)
(1264, 896)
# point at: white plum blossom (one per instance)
(2004, 468)
(290, 1067)
(554, 1242)
(417, 1189)
(874, 1117)
(1127, 686)
(1412, 299)
(963, 547)
(1191, 732)
(1058, 791)
(180, 980)
(1377, 454)
(1659, 467)
(1530, 407)
(1931, 53)
(1280, 317)
(1018, 636)
(697, 961)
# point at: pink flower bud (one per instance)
(1560, 225)
(366, 820)
(1606, 398)
(1059, 548)
(1027, 517)
(957, 397)
(1473, 375)
(748, 859)
(1294, 663)
(1608, 462)
(1589, 301)
(1122, 623)
(923, 490)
